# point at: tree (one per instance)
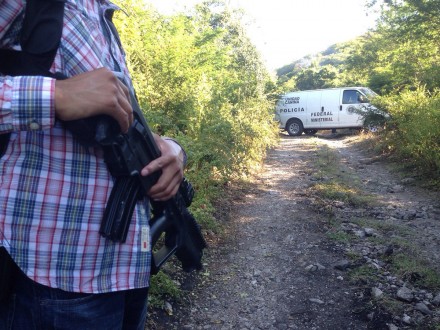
(200, 79)
(407, 40)
(316, 77)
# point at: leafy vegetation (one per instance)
(200, 80)
(414, 128)
(162, 287)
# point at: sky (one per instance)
(286, 30)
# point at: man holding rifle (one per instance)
(54, 190)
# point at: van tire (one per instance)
(294, 127)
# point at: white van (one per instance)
(313, 110)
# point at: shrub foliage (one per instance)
(200, 80)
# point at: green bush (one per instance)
(201, 81)
(162, 288)
(413, 132)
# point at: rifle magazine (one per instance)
(119, 208)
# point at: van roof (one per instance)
(327, 89)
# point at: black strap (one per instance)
(8, 272)
(39, 39)
(4, 140)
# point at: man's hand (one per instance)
(93, 93)
(171, 164)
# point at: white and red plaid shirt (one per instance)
(53, 191)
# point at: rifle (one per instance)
(126, 155)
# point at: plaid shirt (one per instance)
(53, 191)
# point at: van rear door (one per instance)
(313, 109)
(329, 116)
(351, 104)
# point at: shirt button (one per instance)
(34, 125)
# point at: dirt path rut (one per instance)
(278, 268)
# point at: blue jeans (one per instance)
(37, 307)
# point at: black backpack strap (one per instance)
(39, 38)
(4, 140)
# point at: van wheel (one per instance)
(294, 127)
(310, 131)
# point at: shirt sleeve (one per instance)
(26, 103)
(185, 157)
(9, 10)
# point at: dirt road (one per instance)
(293, 260)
